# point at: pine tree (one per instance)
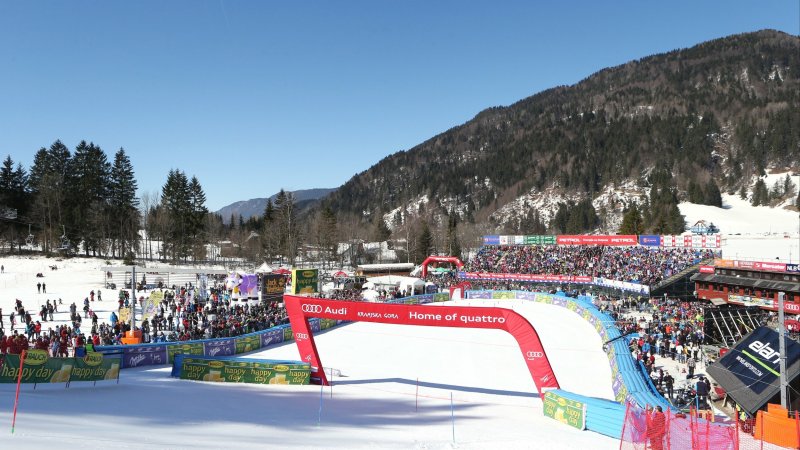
(760, 194)
(123, 205)
(197, 219)
(453, 243)
(287, 229)
(382, 232)
(177, 209)
(788, 186)
(712, 195)
(89, 192)
(269, 241)
(13, 199)
(328, 232)
(631, 221)
(50, 182)
(424, 247)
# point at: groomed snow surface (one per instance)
(374, 404)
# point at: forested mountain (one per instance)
(255, 206)
(615, 152)
(692, 121)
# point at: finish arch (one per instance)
(448, 259)
(300, 309)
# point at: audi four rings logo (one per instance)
(312, 308)
(532, 355)
(300, 336)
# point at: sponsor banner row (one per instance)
(757, 265)
(692, 241)
(581, 239)
(237, 370)
(541, 278)
(524, 277)
(687, 241)
(767, 303)
(39, 367)
(623, 285)
(159, 354)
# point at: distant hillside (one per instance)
(255, 206)
(678, 126)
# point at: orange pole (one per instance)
(19, 382)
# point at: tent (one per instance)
(369, 295)
(282, 271)
(264, 268)
(340, 274)
(404, 284)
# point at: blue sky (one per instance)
(255, 96)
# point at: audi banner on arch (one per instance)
(301, 308)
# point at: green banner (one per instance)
(38, 368)
(232, 371)
(95, 367)
(189, 348)
(247, 343)
(288, 335)
(564, 410)
(324, 324)
(441, 297)
(305, 281)
(539, 240)
(503, 295)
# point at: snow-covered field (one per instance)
(395, 390)
(396, 384)
(749, 232)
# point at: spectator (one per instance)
(656, 429)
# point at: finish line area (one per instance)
(576, 348)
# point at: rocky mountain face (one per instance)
(691, 122)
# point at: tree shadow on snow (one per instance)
(450, 387)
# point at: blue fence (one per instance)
(602, 416)
(164, 352)
(629, 382)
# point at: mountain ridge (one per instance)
(720, 113)
(256, 206)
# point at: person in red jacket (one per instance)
(656, 429)
(3, 344)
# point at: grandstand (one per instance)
(636, 264)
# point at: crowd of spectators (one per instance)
(179, 317)
(668, 329)
(637, 264)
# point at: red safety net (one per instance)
(670, 430)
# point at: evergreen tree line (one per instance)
(79, 201)
(71, 201)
